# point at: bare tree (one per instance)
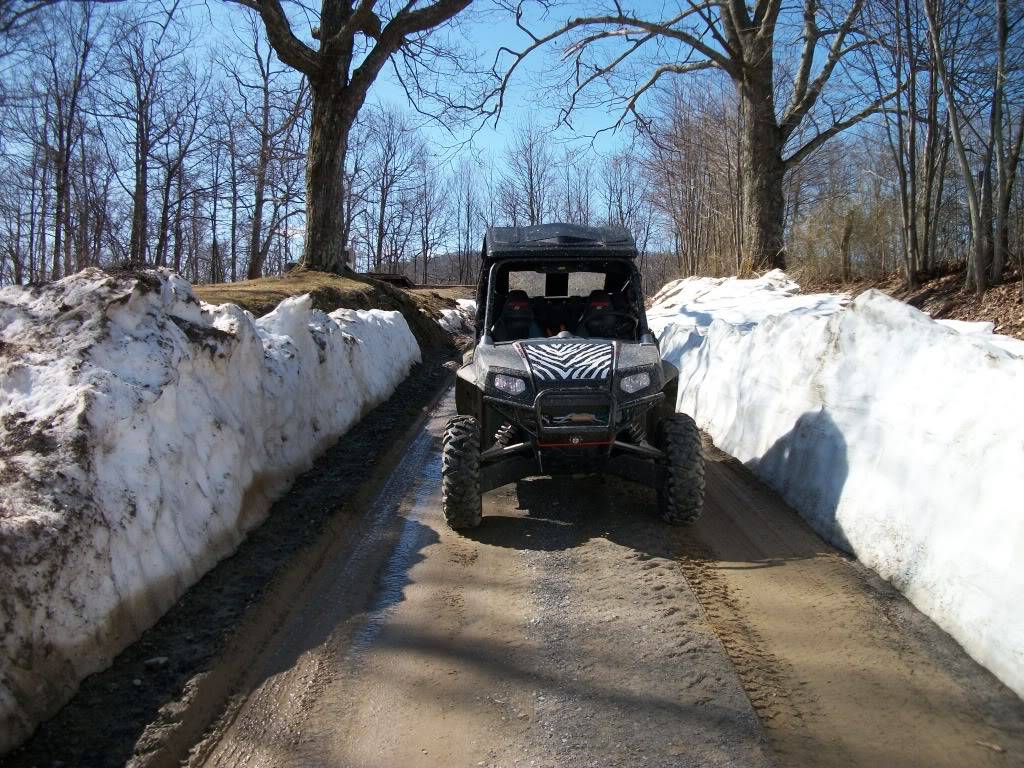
(901, 57)
(693, 160)
(391, 164)
(468, 217)
(431, 211)
(183, 114)
(1007, 140)
(952, 30)
(69, 40)
(627, 198)
(146, 65)
(271, 99)
(741, 42)
(528, 186)
(355, 41)
(355, 162)
(577, 185)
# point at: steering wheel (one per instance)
(621, 317)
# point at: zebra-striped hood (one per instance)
(553, 361)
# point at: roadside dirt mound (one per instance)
(329, 292)
(433, 299)
(944, 297)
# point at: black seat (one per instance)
(598, 317)
(516, 319)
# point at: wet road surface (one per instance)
(574, 629)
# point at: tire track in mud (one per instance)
(633, 674)
(767, 679)
(559, 633)
(840, 668)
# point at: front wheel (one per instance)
(681, 497)
(460, 472)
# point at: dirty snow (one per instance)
(142, 433)
(459, 320)
(899, 438)
(985, 332)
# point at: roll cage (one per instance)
(556, 250)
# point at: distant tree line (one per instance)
(128, 142)
(131, 136)
(839, 136)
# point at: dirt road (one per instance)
(572, 629)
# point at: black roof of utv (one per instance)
(557, 240)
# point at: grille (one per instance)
(574, 415)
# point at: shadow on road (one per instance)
(562, 513)
(809, 467)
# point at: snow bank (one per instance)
(898, 438)
(985, 332)
(141, 435)
(459, 320)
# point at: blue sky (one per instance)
(529, 95)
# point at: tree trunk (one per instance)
(179, 236)
(929, 213)
(233, 155)
(908, 140)
(44, 208)
(163, 229)
(33, 187)
(60, 195)
(328, 134)
(257, 254)
(382, 205)
(16, 261)
(255, 269)
(999, 241)
(976, 273)
(940, 184)
(764, 205)
(216, 268)
(983, 235)
(844, 246)
(140, 207)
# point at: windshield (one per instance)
(586, 301)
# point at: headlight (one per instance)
(509, 384)
(635, 382)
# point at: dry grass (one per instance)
(943, 296)
(329, 292)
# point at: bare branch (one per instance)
(802, 102)
(838, 127)
(665, 69)
(289, 48)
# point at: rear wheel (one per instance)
(681, 497)
(460, 472)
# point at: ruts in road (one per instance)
(575, 629)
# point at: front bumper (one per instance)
(572, 430)
(573, 416)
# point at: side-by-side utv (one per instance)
(565, 377)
